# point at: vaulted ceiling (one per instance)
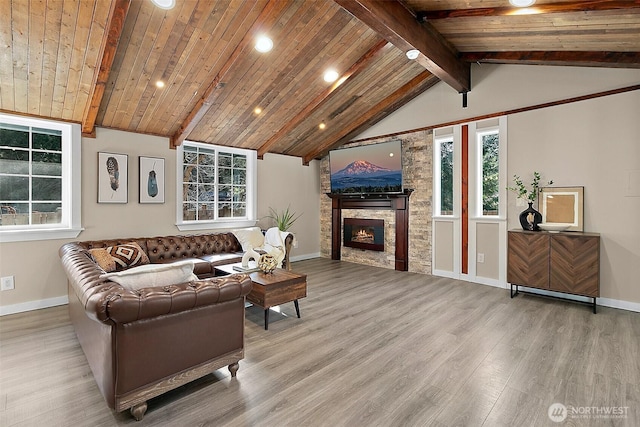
(97, 62)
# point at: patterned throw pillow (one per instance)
(119, 257)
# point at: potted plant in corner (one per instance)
(285, 219)
(529, 218)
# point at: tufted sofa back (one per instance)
(161, 249)
(164, 248)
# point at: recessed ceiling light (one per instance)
(257, 110)
(164, 4)
(160, 84)
(522, 3)
(322, 126)
(264, 44)
(331, 76)
(413, 54)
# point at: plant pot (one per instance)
(530, 218)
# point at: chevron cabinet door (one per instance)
(575, 264)
(528, 259)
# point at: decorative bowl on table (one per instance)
(267, 263)
(553, 227)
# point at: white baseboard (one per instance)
(622, 305)
(33, 305)
(447, 274)
(465, 277)
(490, 282)
(304, 257)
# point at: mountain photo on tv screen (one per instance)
(367, 169)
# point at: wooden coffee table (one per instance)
(270, 290)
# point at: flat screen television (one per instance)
(367, 169)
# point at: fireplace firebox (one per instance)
(364, 233)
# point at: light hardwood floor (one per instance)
(374, 347)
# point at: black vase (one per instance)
(530, 218)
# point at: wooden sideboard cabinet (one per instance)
(567, 262)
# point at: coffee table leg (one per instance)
(266, 319)
(295, 302)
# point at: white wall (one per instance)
(593, 143)
(39, 278)
(498, 88)
(284, 182)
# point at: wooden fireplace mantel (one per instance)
(397, 202)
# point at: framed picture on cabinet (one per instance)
(113, 178)
(563, 205)
(151, 180)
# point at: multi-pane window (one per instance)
(489, 146)
(38, 190)
(444, 174)
(30, 175)
(232, 185)
(215, 184)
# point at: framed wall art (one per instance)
(151, 179)
(113, 178)
(563, 205)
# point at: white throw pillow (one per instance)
(249, 238)
(151, 275)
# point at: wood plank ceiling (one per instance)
(97, 62)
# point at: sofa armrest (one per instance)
(288, 244)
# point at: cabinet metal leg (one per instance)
(513, 294)
(266, 319)
(594, 305)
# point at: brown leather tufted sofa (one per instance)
(140, 344)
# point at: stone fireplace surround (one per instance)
(417, 174)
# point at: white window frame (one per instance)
(70, 225)
(476, 132)
(437, 174)
(218, 223)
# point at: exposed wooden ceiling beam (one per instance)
(569, 6)
(109, 46)
(267, 18)
(400, 97)
(360, 65)
(396, 24)
(570, 58)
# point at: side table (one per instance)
(272, 289)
